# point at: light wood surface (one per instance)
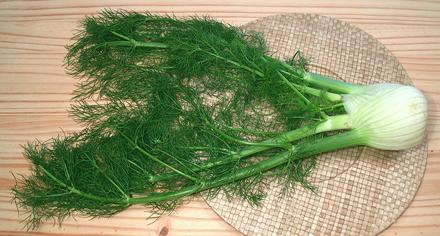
(35, 93)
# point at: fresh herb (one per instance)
(173, 107)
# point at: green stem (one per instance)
(240, 141)
(299, 94)
(332, 97)
(252, 131)
(230, 138)
(134, 43)
(347, 139)
(106, 175)
(294, 89)
(315, 79)
(331, 84)
(320, 80)
(344, 140)
(236, 64)
(81, 193)
(147, 154)
(338, 122)
(131, 42)
(199, 148)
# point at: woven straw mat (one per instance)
(361, 191)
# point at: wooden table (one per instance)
(35, 93)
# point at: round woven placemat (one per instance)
(361, 191)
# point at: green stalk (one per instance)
(338, 122)
(332, 97)
(299, 94)
(301, 151)
(236, 64)
(318, 80)
(147, 154)
(79, 192)
(133, 43)
(344, 140)
(240, 141)
(331, 84)
(293, 88)
(315, 79)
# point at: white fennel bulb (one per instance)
(387, 116)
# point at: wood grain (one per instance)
(35, 93)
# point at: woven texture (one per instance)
(361, 191)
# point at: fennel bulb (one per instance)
(387, 116)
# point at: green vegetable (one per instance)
(172, 107)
